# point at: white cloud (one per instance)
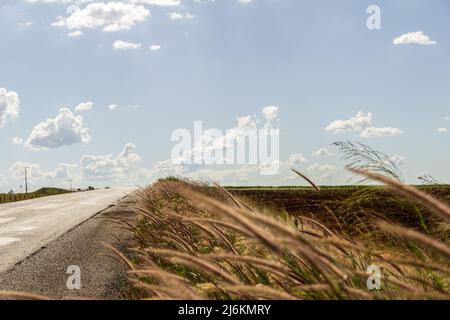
(60, 1)
(9, 106)
(295, 160)
(65, 129)
(161, 3)
(442, 130)
(398, 159)
(358, 123)
(414, 38)
(372, 132)
(124, 45)
(64, 171)
(35, 173)
(17, 140)
(107, 167)
(111, 16)
(75, 34)
(361, 123)
(17, 170)
(181, 16)
(321, 167)
(27, 24)
(84, 106)
(155, 47)
(229, 174)
(112, 107)
(270, 113)
(321, 173)
(321, 152)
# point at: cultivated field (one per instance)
(347, 206)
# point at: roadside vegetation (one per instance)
(43, 192)
(201, 241)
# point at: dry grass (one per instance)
(200, 242)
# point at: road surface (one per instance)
(28, 226)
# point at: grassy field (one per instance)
(196, 241)
(43, 192)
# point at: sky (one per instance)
(92, 92)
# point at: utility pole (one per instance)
(70, 182)
(26, 180)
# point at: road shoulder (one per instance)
(102, 277)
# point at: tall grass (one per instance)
(197, 241)
(364, 157)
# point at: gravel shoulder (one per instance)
(102, 276)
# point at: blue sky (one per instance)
(215, 61)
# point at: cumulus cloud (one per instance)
(321, 167)
(108, 167)
(37, 175)
(60, 1)
(230, 173)
(270, 113)
(321, 173)
(84, 106)
(361, 123)
(372, 132)
(66, 129)
(17, 140)
(181, 16)
(414, 38)
(358, 123)
(17, 170)
(75, 34)
(27, 24)
(295, 160)
(125, 45)
(161, 3)
(64, 171)
(111, 17)
(321, 152)
(442, 130)
(92, 168)
(155, 47)
(9, 106)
